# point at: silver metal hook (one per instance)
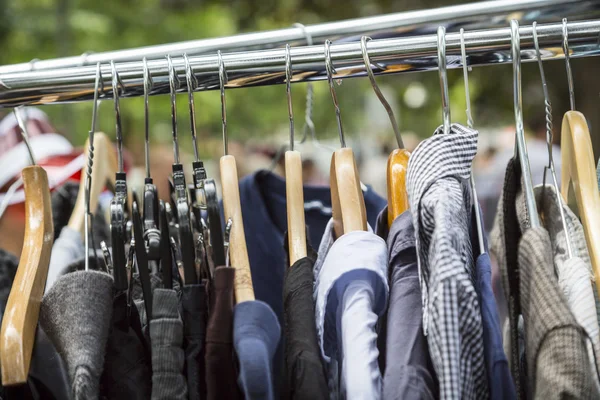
(288, 90)
(565, 30)
(88, 221)
(222, 83)
(191, 82)
(330, 71)
(441, 50)
(173, 86)
(147, 88)
(380, 96)
(548, 111)
(24, 133)
(115, 88)
(308, 122)
(521, 147)
(463, 53)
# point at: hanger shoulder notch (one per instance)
(103, 172)
(238, 251)
(397, 167)
(20, 319)
(295, 206)
(348, 203)
(578, 172)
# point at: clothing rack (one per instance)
(267, 67)
(478, 15)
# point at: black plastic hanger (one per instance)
(142, 259)
(118, 205)
(166, 258)
(186, 235)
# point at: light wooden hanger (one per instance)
(20, 319)
(238, 251)
(579, 171)
(397, 164)
(347, 201)
(293, 180)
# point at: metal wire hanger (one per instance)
(478, 217)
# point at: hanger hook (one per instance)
(380, 96)
(192, 83)
(222, 83)
(441, 50)
(24, 133)
(309, 125)
(565, 35)
(173, 86)
(115, 87)
(288, 89)
(463, 53)
(148, 84)
(330, 71)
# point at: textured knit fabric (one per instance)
(350, 293)
(66, 249)
(221, 374)
(557, 360)
(439, 197)
(575, 277)
(305, 377)
(409, 373)
(194, 312)
(76, 314)
(256, 334)
(127, 371)
(8, 269)
(166, 336)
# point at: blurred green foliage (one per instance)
(41, 29)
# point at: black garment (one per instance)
(127, 366)
(408, 372)
(305, 376)
(194, 314)
(47, 373)
(221, 374)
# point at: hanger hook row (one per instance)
(116, 81)
(309, 125)
(173, 86)
(380, 96)
(191, 83)
(288, 89)
(330, 72)
(566, 51)
(222, 82)
(441, 53)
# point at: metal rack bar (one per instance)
(267, 67)
(479, 15)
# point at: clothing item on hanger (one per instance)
(304, 371)
(555, 344)
(166, 337)
(351, 292)
(127, 371)
(194, 313)
(408, 372)
(76, 315)
(439, 195)
(66, 249)
(575, 277)
(220, 364)
(256, 334)
(502, 386)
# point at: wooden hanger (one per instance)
(104, 171)
(347, 201)
(579, 179)
(232, 209)
(293, 180)
(20, 318)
